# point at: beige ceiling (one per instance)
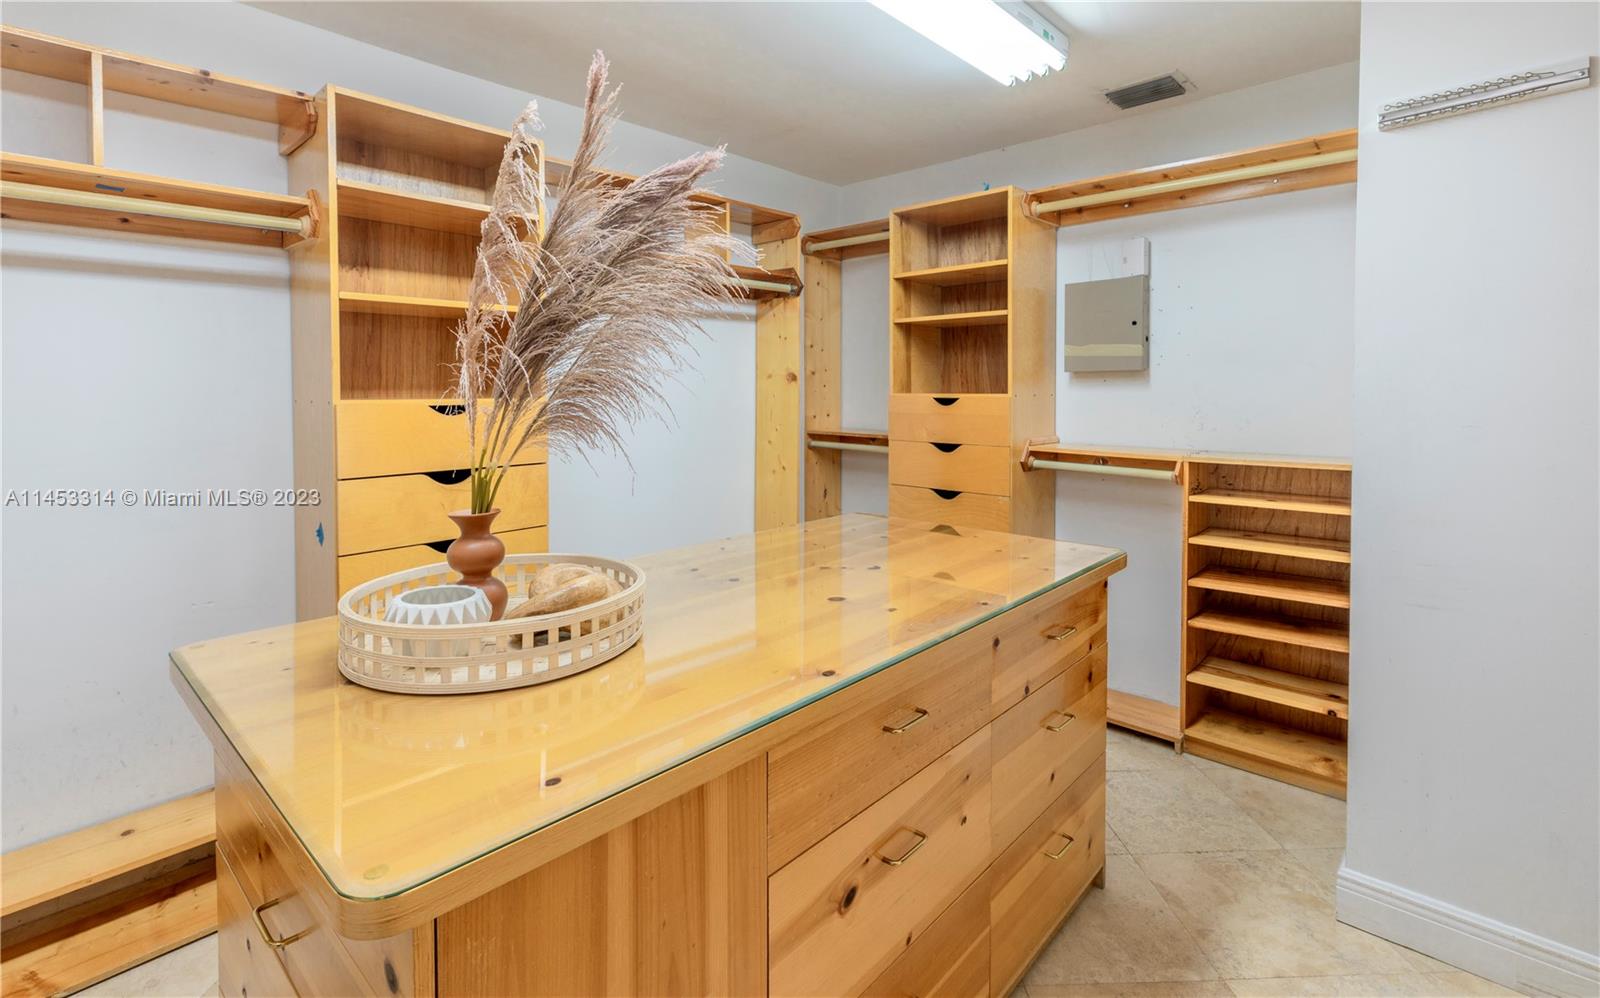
(840, 91)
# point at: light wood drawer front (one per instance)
(396, 437)
(842, 912)
(956, 509)
(1038, 879)
(956, 419)
(966, 468)
(403, 510)
(355, 569)
(246, 966)
(1043, 743)
(951, 959)
(1042, 637)
(320, 962)
(825, 775)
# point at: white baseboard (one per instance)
(1502, 953)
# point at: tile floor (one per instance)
(1219, 882)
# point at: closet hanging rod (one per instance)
(1155, 474)
(840, 445)
(750, 284)
(871, 237)
(1203, 180)
(301, 226)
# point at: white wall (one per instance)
(1474, 827)
(146, 362)
(1250, 331)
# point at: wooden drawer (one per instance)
(957, 509)
(819, 779)
(951, 959)
(1043, 637)
(1043, 743)
(355, 569)
(961, 467)
(320, 962)
(397, 437)
(1039, 879)
(402, 510)
(842, 912)
(956, 419)
(246, 966)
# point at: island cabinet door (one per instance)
(1042, 638)
(671, 903)
(845, 909)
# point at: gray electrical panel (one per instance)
(1107, 324)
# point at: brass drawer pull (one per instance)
(266, 934)
(903, 728)
(1066, 719)
(1061, 633)
(1063, 850)
(901, 861)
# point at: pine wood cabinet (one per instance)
(856, 756)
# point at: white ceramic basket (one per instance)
(498, 655)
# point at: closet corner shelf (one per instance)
(869, 441)
(1281, 545)
(956, 275)
(1274, 627)
(980, 206)
(1287, 689)
(847, 242)
(187, 208)
(420, 308)
(1268, 585)
(953, 320)
(1300, 757)
(376, 203)
(1282, 501)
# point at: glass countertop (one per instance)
(388, 791)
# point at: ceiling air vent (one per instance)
(1148, 92)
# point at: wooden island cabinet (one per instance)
(855, 756)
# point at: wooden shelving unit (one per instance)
(1266, 645)
(972, 361)
(95, 195)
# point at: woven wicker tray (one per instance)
(502, 654)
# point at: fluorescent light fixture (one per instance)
(1008, 43)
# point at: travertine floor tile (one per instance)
(1323, 863)
(1125, 932)
(1144, 989)
(1455, 985)
(1262, 914)
(1296, 818)
(1114, 846)
(1164, 811)
(187, 972)
(1126, 750)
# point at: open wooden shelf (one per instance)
(1269, 585)
(1281, 545)
(988, 317)
(1301, 757)
(1274, 627)
(144, 188)
(956, 275)
(869, 438)
(375, 121)
(376, 203)
(1274, 686)
(1273, 500)
(878, 229)
(421, 308)
(43, 55)
(983, 206)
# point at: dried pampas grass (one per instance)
(610, 291)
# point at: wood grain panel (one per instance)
(355, 569)
(950, 959)
(957, 509)
(1043, 637)
(1043, 743)
(380, 513)
(960, 419)
(843, 911)
(672, 903)
(807, 796)
(390, 437)
(967, 468)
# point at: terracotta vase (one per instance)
(476, 554)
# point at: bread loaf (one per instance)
(581, 590)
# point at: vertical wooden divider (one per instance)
(97, 110)
(778, 363)
(822, 339)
